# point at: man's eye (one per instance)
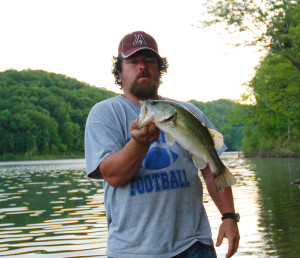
(151, 61)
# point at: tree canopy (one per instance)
(271, 123)
(44, 113)
(275, 25)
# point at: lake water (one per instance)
(51, 209)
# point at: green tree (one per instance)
(274, 25)
(272, 124)
(44, 113)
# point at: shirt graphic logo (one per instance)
(157, 182)
(139, 40)
(157, 157)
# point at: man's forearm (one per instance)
(223, 201)
(119, 167)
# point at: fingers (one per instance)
(236, 243)
(144, 135)
(220, 237)
(233, 246)
(229, 229)
(133, 124)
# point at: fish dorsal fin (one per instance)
(217, 137)
(199, 163)
(169, 139)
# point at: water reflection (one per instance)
(279, 204)
(246, 195)
(51, 209)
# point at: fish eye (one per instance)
(153, 102)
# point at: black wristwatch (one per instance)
(234, 216)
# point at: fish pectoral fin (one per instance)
(169, 139)
(199, 163)
(217, 137)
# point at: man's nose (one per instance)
(142, 64)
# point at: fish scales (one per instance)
(201, 136)
(182, 126)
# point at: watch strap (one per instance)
(234, 216)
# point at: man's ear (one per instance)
(120, 78)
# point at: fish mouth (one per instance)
(143, 120)
(170, 118)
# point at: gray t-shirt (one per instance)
(160, 212)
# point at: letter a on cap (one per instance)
(136, 41)
(139, 40)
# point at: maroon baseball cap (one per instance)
(136, 41)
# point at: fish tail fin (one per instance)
(224, 179)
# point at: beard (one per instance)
(142, 92)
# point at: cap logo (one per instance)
(139, 40)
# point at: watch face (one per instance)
(237, 217)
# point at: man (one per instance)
(153, 194)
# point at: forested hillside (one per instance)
(272, 125)
(220, 113)
(42, 115)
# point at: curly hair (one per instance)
(117, 67)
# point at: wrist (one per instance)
(140, 146)
(231, 215)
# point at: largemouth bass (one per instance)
(181, 125)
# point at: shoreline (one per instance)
(19, 157)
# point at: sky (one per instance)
(79, 38)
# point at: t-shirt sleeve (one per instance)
(102, 138)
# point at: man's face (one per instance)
(140, 75)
